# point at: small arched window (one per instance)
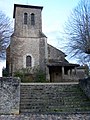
(32, 19)
(25, 18)
(28, 61)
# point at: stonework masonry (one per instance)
(43, 53)
(9, 95)
(84, 116)
(45, 98)
(85, 86)
(27, 30)
(25, 48)
(27, 39)
(52, 98)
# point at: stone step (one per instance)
(52, 94)
(27, 103)
(53, 102)
(56, 110)
(53, 98)
(57, 99)
(85, 105)
(48, 98)
(61, 87)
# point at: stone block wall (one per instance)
(42, 53)
(27, 30)
(9, 95)
(85, 86)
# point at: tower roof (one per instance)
(25, 6)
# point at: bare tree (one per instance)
(77, 30)
(5, 32)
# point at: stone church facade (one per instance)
(29, 47)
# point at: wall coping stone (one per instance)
(65, 83)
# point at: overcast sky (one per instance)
(54, 15)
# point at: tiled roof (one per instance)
(49, 64)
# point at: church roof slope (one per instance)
(63, 64)
(56, 49)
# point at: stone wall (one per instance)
(9, 95)
(85, 86)
(25, 47)
(42, 53)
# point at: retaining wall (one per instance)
(85, 86)
(9, 95)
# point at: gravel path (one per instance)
(46, 117)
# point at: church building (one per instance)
(29, 47)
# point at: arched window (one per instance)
(25, 18)
(32, 19)
(28, 61)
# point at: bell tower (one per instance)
(28, 47)
(28, 20)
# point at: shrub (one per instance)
(5, 72)
(40, 76)
(31, 75)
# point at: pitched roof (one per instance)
(62, 64)
(57, 49)
(25, 6)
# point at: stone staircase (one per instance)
(53, 98)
